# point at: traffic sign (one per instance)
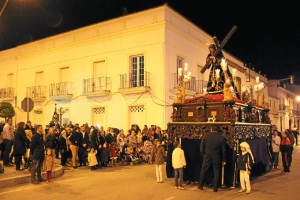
(27, 104)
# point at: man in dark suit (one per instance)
(82, 151)
(37, 149)
(213, 150)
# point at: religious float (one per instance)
(239, 119)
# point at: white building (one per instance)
(114, 73)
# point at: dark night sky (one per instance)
(267, 35)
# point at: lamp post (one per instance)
(184, 77)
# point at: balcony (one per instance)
(37, 93)
(96, 87)
(61, 91)
(192, 87)
(7, 94)
(133, 83)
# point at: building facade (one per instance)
(115, 73)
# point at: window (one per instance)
(137, 71)
(10, 80)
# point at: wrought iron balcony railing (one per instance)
(132, 80)
(94, 85)
(60, 89)
(192, 85)
(7, 93)
(38, 91)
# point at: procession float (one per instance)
(237, 116)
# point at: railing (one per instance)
(132, 80)
(200, 84)
(193, 85)
(38, 91)
(6, 93)
(98, 84)
(59, 89)
(295, 112)
(281, 107)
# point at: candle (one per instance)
(186, 68)
(217, 73)
(234, 72)
(189, 75)
(257, 79)
(204, 90)
(179, 72)
(224, 64)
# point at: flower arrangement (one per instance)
(229, 114)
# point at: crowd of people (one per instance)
(76, 146)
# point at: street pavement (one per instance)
(138, 182)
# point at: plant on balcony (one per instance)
(6, 110)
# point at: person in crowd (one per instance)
(56, 137)
(37, 149)
(8, 137)
(274, 128)
(49, 164)
(132, 139)
(20, 144)
(296, 133)
(275, 148)
(63, 147)
(82, 152)
(285, 149)
(50, 141)
(178, 163)
(158, 155)
(75, 140)
(109, 137)
(291, 137)
(245, 162)
(30, 127)
(104, 155)
(121, 139)
(213, 150)
(113, 154)
(92, 159)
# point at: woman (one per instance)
(20, 144)
(63, 147)
(158, 154)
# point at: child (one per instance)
(104, 155)
(113, 153)
(178, 163)
(158, 154)
(49, 164)
(92, 159)
(244, 163)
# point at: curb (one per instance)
(16, 180)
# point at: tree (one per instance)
(6, 110)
